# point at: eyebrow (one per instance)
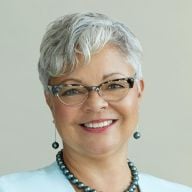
(111, 74)
(80, 81)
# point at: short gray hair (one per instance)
(84, 33)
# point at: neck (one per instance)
(98, 172)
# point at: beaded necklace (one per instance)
(84, 188)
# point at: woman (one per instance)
(91, 73)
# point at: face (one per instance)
(115, 120)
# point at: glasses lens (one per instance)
(114, 90)
(73, 95)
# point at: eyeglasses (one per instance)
(76, 94)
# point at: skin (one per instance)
(100, 152)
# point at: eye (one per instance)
(70, 92)
(114, 85)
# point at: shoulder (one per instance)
(46, 179)
(150, 183)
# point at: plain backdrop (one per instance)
(164, 29)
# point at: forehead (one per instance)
(108, 61)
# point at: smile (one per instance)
(98, 125)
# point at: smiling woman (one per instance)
(91, 73)
(76, 122)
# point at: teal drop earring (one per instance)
(137, 134)
(55, 144)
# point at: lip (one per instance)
(98, 130)
(99, 120)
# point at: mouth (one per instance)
(98, 125)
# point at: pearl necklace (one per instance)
(84, 188)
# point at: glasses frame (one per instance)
(54, 89)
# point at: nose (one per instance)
(94, 103)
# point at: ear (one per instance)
(49, 100)
(140, 87)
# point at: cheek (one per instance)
(130, 104)
(63, 115)
(128, 109)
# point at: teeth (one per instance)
(98, 125)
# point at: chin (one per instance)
(101, 149)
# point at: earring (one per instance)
(137, 134)
(55, 144)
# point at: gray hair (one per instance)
(85, 34)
